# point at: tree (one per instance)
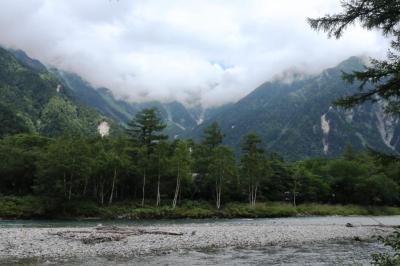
(117, 161)
(221, 168)
(252, 164)
(297, 177)
(63, 167)
(18, 154)
(378, 190)
(383, 74)
(162, 160)
(182, 163)
(143, 163)
(348, 153)
(346, 175)
(213, 136)
(146, 128)
(10, 122)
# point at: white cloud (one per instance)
(207, 51)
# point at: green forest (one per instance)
(143, 174)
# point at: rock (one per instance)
(155, 239)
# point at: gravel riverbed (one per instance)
(29, 242)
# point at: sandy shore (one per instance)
(67, 242)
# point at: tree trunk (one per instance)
(158, 199)
(294, 194)
(178, 183)
(85, 187)
(158, 192)
(255, 194)
(219, 187)
(216, 193)
(70, 188)
(65, 186)
(112, 187)
(144, 186)
(102, 193)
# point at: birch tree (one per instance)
(182, 164)
(252, 165)
(222, 168)
(161, 156)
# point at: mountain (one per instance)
(293, 114)
(180, 120)
(34, 100)
(297, 119)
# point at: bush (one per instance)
(80, 209)
(22, 207)
(389, 259)
(36, 207)
(260, 210)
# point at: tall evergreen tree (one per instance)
(146, 127)
(382, 15)
(146, 130)
(213, 136)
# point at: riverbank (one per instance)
(40, 208)
(134, 240)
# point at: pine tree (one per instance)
(146, 127)
(213, 136)
(383, 15)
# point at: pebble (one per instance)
(42, 242)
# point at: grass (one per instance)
(34, 207)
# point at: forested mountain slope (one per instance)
(180, 120)
(34, 100)
(294, 116)
(297, 119)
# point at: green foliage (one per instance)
(222, 171)
(383, 74)
(213, 136)
(252, 165)
(81, 175)
(389, 259)
(34, 100)
(10, 122)
(287, 117)
(22, 207)
(146, 127)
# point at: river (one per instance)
(312, 252)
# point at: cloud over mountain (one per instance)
(208, 52)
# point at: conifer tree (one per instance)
(146, 127)
(213, 136)
(383, 15)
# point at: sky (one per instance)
(207, 52)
